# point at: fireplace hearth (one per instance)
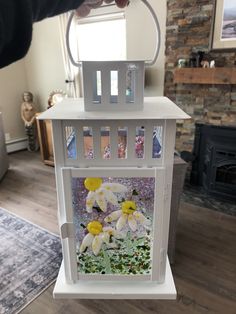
(214, 164)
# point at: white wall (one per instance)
(12, 85)
(141, 41)
(44, 62)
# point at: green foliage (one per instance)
(130, 258)
(97, 208)
(135, 192)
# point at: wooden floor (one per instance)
(205, 268)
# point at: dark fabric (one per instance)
(48, 8)
(16, 20)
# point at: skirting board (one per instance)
(16, 145)
(115, 290)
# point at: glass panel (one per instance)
(157, 142)
(113, 221)
(105, 143)
(114, 87)
(97, 87)
(139, 143)
(130, 83)
(88, 142)
(70, 140)
(122, 142)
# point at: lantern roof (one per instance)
(154, 108)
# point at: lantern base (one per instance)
(115, 290)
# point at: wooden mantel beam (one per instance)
(205, 75)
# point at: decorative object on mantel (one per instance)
(205, 64)
(30, 261)
(28, 115)
(212, 64)
(196, 58)
(205, 60)
(199, 59)
(183, 63)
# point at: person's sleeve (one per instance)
(48, 8)
(16, 20)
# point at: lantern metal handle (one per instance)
(147, 63)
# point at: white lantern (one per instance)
(114, 179)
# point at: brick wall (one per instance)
(188, 29)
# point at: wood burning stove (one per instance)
(214, 165)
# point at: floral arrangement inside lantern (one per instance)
(113, 219)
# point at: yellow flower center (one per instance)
(94, 227)
(92, 184)
(128, 207)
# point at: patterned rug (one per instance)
(30, 258)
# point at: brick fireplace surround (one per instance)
(188, 29)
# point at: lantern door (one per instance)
(116, 216)
(113, 229)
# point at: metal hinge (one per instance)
(67, 230)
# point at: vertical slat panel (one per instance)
(131, 160)
(122, 85)
(88, 83)
(58, 148)
(96, 131)
(80, 143)
(131, 142)
(148, 143)
(106, 86)
(139, 84)
(114, 141)
(65, 152)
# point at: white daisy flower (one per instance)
(101, 193)
(97, 236)
(128, 213)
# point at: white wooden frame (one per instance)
(68, 232)
(131, 160)
(115, 290)
(89, 69)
